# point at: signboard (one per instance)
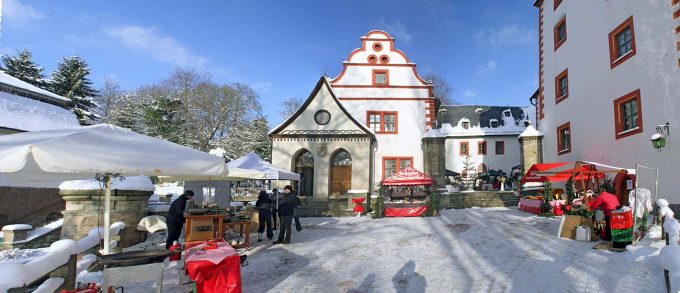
(629, 184)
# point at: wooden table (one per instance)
(243, 227)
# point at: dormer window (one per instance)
(527, 123)
(507, 113)
(493, 123)
(466, 124)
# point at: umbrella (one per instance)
(86, 152)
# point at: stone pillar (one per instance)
(14, 233)
(434, 156)
(531, 147)
(85, 210)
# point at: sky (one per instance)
(486, 49)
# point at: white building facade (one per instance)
(609, 73)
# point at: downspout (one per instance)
(371, 174)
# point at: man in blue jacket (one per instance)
(175, 217)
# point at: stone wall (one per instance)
(44, 240)
(434, 156)
(531, 151)
(34, 206)
(85, 210)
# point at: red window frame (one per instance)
(398, 163)
(467, 148)
(560, 150)
(481, 148)
(556, 4)
(387, 77)
(382, 115)
(500, 148)
(564, 74)
(618, 115)
(556, 41)
(613, 44)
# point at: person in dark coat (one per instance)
(275, 209)
(287, 204)
(264, 208)
(296, 216)
(175, 217)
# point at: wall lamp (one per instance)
(659, 138)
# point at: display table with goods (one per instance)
(211, 266)
(407, 193)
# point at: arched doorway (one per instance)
(623, 184)
(304, 165)
(341, 172)
(482, 168)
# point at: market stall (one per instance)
(407, 193)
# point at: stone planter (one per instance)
(85, 210)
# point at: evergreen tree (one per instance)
(22, 67)
(71, 80)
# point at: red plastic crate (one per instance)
(623, 220)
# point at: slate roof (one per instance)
(457, 112)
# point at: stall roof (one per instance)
(254, 162)
(538, 173)
(407, 177)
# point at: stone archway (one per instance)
(341, 172)
(303, 164)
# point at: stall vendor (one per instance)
(607, 202)
(175, 217)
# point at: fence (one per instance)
(59, 265)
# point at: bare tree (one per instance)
(442, 89)
(289, 106)
(107, 97)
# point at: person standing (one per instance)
(607, 202)
(287, 206)
(175, 217)
(264, 208)
(275, 208)
(296, 216)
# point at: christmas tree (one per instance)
(22, 67)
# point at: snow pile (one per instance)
(21, 255)
(26, 114)
(41, 230)
(531, 131)
(50, 285)
(93, 237)
(13, 275)
(15, 227)
(141, 183)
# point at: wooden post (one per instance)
(67, 272)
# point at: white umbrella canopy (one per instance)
(232, 174)
(84, 152)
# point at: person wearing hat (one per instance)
(175, 217)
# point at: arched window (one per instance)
(304, 159)
(342, 158)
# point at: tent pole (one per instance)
(107, 214)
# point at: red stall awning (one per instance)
(546, 172)
(407, 177)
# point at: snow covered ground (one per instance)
(473, 250)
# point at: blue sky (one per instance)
(486, 49)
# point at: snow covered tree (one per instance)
(71, 80)
(289, 106)
(248, 136)
(22, 67)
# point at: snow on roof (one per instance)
(26, 114)
(18, 83)
(141, 183)
(506, 121)
(531, 131)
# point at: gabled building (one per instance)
(609, 76)
(370, 121)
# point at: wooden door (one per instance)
(341, 179)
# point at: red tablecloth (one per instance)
(225, 276)
(405, 212)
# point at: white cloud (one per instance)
(468, 93)
(150, 41)
(508, 35)
(396, 30)
(17, 12)
(487, 67)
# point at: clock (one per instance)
(322, 117)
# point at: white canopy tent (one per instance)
(232, 174)
(254, 162)
(104, 149)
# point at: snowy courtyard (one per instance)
(472, 250)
